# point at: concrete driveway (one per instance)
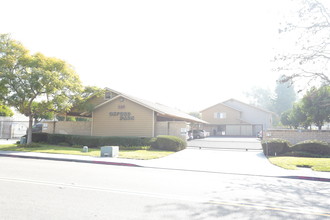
(227, 143)
(225, 155)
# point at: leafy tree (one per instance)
(35, 84)
(280, 100)
(261, 97)
(285, 96)
(317, 105)
(285, 118)
(309, 60)
(299, 116)
(6, 111)
(296, 117)
(39, 114)
(81, 103)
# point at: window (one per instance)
(220, 115)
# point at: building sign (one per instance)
(122, 115)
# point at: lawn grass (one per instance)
(146, 154)
(292, 163)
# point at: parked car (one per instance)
(37, 128)
(198, 134)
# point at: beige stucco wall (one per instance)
(296, 136)
(68, 127)
(232, 116)
(107, 119)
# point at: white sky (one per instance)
(184, 54)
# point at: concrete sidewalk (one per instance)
(218, 161)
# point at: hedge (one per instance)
(312, 147)
(163, 142)
(275, 147)
(90, 141)
(169, 143)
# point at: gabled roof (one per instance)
(159, 108)
(221, 103)
(253, 106)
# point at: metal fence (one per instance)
(13, 129)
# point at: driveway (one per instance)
(9, 141)
(227, 143)
(225, 155)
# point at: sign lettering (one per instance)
(122, 115)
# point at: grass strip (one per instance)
(140, 154)
(293, 163)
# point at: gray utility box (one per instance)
(109, 151)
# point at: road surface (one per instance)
(41, 189)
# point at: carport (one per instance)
(234, 130)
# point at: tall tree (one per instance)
(317, 105)
(35, 83)
(285, 96)
(261, 97)
(309, 60)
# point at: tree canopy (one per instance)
(278, 101)
(308, 60)
(317, 105)
(33, 83)
(6, 111)
(285, 96)
(314, 108)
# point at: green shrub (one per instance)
(312, 147)
(97, 141)
(56, 138)
(170, 143)
(39, 137)
(275, 147)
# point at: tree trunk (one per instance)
(29, 133)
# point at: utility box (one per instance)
(109, 151)
(85, 149)
(23, 140)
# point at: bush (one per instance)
(275, 147)
(39, 137)
(96, 141)
(56, 138)
(170, 143)
(312, 147)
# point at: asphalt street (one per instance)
(43, 189)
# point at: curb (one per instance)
(320, 179)
(71, 160)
